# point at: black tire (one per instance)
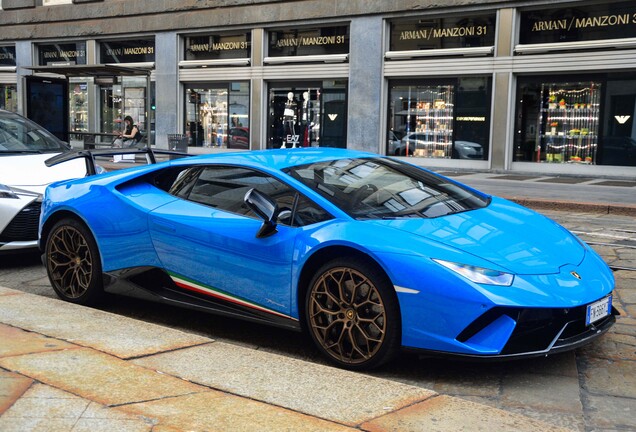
(73, 263)
(352, 314)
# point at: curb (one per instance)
(55, 354)
(598, 208)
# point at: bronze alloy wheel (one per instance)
(72, 263)
(347, 315)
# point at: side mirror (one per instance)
(266, 208)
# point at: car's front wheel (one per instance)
(73, 263)
(352, 314)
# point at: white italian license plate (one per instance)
(598, 310)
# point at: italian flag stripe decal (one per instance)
(191, 285)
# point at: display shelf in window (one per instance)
(568, 123)
(434, 127)
(428, 118)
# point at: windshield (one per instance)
(380, 188)
(19, 135)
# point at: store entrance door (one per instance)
(621, 114)
(124, 97)
(111, 112)
(618, 144)
(334, 124)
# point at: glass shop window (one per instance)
(78, 106)
(440, 118)
(9, 97)
(217, 114)
(576, 120)
(307, 114)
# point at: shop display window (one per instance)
(9, 97)
(576, 121)
(126, 96)
(310, 114)
(217, 114)
(78, 105)
(440, 119)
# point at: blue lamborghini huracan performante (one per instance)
(368, 254)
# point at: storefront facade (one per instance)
(522, 86)
(432, 114)
(580, 115)
(216, 112)
(8, 85)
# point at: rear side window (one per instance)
(224, 188)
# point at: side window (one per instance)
(307, 212)
(224, 188)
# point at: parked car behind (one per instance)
(467, 150)
(394, 143)
(24, 146)
(421, 140)
(239, 138)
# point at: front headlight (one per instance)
(6, 192)
(478, 275)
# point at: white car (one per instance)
(394, 144)
(415, 140)
(24, 146)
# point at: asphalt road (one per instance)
(591, 389)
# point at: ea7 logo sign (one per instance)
(622, 119)
(332, 117)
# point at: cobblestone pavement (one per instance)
(607, 369)
(591, 389)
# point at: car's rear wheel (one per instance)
(73, 263)
(352, 314)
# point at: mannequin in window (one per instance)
(206, 115)
(306, 120)
(289, 121)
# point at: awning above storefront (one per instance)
(95, 71)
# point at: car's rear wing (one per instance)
(90, 155)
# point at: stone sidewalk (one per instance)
(65, 367)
